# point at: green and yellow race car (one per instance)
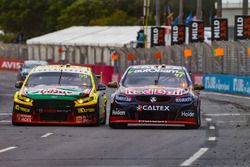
(60, 94)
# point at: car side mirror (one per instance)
(101, 87)
(198, 87)
(19, 84)
(113, 84)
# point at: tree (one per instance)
(118, 18)
(81, 12)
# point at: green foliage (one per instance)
(37, 17)
(118, 18)
(81, 12)
(8, 38)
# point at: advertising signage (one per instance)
(178, 35)
(196, 31)
(157, 36)
(242, 28)
(219, 29)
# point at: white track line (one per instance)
(194, 157)
(211, 138)
(5, 121)
(228, 95)
(231, 121)
(8, 95)
(208, 119)
(7, 149)
(46, 135)
(211, 127)
(6, 113)
(228, 114)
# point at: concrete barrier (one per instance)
(227, 83)
(106, 71)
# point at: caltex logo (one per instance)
(139, 108)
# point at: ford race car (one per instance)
(155, 94)
(27, 66)
(60, 94)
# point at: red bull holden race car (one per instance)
(155, 94)
(60, 94)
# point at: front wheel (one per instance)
(97, 115)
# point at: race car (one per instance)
(155, 94)
(60, 94)
(27, 66)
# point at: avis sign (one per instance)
(157, 36)
(178, 35)
(196, 31)
(242, 28)
(10, 64)
(219, 30)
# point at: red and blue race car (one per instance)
(155, 94)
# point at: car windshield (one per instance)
(59, 78)
(162, 77)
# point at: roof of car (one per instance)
(157, 66)
(65, 68)
(36, 62)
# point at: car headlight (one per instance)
(123, 98)
(85, 100)
(24, 98)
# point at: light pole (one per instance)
(199, 10)
(157, 13)
(219, 8)
(181, 12)
(245, 7)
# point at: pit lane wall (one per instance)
(106, 71)
(227, 83)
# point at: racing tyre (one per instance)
(118, 125)
(105, 113)
(97, 115)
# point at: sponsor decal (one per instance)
(24, 118)
(178, 35)
(82, 119)
(152, 121)
(10, 64)
(157, 36)
(84, 110)
(123, 98)
(196, 31)
(19, 108)
(153, 99)
(129, 91)
(187, 114)
(79, 119)
(152, 108)
(219, 29)
(155, 70)
(242, 28)
(183, 100)
(54, 91)
(139, 108)
(118, 112)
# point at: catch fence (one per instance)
(224, 57)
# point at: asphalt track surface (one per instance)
(222, 140)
